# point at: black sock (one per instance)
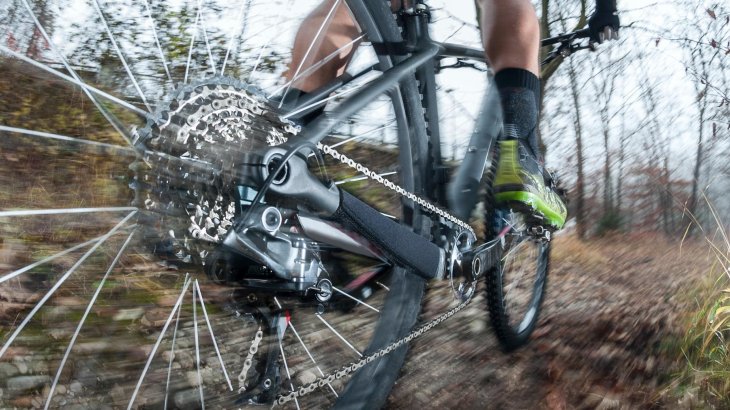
(519, 91)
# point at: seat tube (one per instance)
(463, 192)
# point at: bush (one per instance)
(705, 378)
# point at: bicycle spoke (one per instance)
(63, 211)
(513, 250)
(172, 352)
(197, 349)
(48, 135)
(244, 6)
(325, 22)
(322, 102)
(192, 43)
(119, 54)
(212, 335)
(355, 299)
(515, 282)
(387, 289)
(291, 325)
(511, 263)
(159, 340)
(314, 67)
(104, 112)
(362, 178)
(205, 35)
(268, 42)
(338, 335)
(288, 375)
(74, 81)
(157, 40)
(22, 270)
(60, 281)
(83, 319)
(242, 45)
(356, 137)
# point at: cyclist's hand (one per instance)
(604, 23)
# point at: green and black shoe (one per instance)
(520, 183)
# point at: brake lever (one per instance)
(566, 49)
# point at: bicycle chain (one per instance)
(347, 370)
(394, 187)
(273, 136)
(210, 117)
(249, 360)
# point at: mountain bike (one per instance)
(317, 237)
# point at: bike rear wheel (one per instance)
(147, 314)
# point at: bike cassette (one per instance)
(194, 144)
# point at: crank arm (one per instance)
(472, 263)
(399, 244)
(481, 258)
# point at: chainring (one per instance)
(194, 144)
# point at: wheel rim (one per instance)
(122, 297)
(522, 274)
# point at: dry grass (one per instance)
(705, 378)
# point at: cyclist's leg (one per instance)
(326, 30)
(511, 35)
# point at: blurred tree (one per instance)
(705, 62)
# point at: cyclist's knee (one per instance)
(339, 20)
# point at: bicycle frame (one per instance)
(419, 55)
(462, 195)
(424, 53)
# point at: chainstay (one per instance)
(426, 205)
(347, 370)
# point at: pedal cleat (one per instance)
(520, 183)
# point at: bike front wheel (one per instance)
(516, 281)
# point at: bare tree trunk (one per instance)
(620, 176)
(692, 205)
(667, 199)
(580, 182)
(607, 194)
(547, 71)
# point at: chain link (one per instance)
(220, 132)
(426, 205)
(394, 187)
(347, 370)
(249, 360)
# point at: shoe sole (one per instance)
(532, 205)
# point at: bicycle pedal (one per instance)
(540, 233)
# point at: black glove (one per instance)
(604, 24)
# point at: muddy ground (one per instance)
(606, 339)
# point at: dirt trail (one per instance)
(611, 311)
(613, 307)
